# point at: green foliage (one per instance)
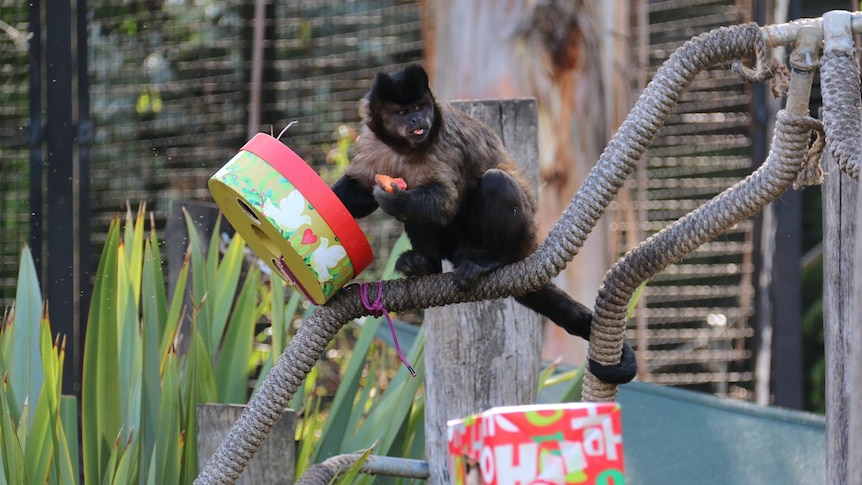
(338, 155)
(139, 394)
(813, 358)
(34, 418)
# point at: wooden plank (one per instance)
(274, 461)
(839, 228)
(853, 456)
(485, 354)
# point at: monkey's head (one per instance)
(400, 109)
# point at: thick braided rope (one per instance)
(842, 123)
(269, 402)
(617, 162)
(739, 202)
(631, 140)
(323, 473)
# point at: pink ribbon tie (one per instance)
(377, 309)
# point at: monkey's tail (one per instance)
(575, 318)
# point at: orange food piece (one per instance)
(385, 182)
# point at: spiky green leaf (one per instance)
(237, 344)
(100, 401)
(23, 360)
(223, 287)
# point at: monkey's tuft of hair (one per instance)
(405, 87)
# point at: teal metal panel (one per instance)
(675, 436)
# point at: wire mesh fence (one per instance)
(14, 149)
(692, 327)
(170, 93)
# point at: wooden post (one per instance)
(275, 462)
(484, 354)
(839, 230)
(853, 454)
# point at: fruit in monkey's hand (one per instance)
(385, 182)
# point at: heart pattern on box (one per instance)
(308, 237)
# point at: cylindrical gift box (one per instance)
(290, 218)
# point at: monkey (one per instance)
(465, 199)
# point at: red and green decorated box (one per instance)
(573, 443)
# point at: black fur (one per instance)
(465, 202)
(404, 88)
(360, 202)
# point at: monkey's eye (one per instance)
(403, 112)
(418, 107)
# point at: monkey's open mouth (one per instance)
(418, 131)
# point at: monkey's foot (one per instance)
(412, 263)
(470, 270)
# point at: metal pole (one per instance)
(35, 133)
(83, 266)
(256, 67)
(60, 136)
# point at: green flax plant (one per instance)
(139, 393)
(38, 426)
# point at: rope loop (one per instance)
(762, 67)
(326, 472)
(765, 68)
(812, 170)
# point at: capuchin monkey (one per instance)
(449, 179)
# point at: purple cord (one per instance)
(377, 309)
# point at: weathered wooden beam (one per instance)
(853, 380)
(839, 232)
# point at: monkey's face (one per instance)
(411, 123)
(400, 109)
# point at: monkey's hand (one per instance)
(424, 205)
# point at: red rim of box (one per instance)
(312, 187)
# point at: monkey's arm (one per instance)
(430, 204)
(358, 199)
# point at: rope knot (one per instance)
(811, 172)
(764, 70)
(378, 310)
